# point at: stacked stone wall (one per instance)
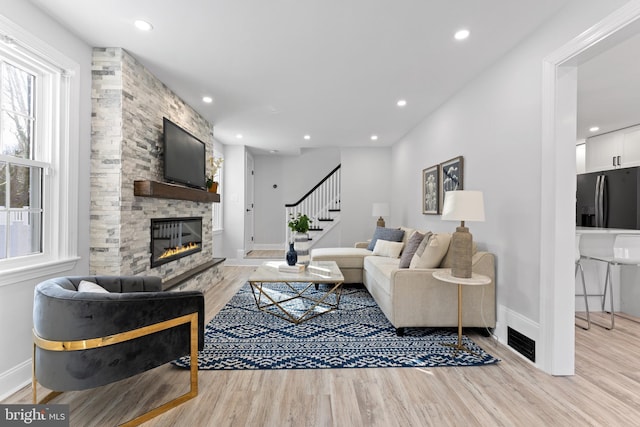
(129, 104)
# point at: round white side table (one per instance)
(474, 280)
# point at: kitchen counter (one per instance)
(598, 230)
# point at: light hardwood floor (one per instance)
(604, 392)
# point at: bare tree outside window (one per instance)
(20, 184)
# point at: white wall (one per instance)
(16, 300)
(294, 177)
(367, 177)
(495, 123)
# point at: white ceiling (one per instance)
(609, 88)
(333, 69)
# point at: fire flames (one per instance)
(180, 249)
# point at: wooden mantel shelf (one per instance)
(162, 190)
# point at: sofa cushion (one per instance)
(407, 234)
(380, 269)
(390, 234)
(410, 248)
(431, 251)
(387, 248)
(344, 257)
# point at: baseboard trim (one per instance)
(269, 246)
(14, 379)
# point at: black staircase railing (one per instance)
(319, 202)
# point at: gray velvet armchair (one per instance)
(88, 339)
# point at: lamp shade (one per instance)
(463, 205)
(380, 209)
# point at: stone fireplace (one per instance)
(128, 105)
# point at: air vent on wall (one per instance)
(522, 344)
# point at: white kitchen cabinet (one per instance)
(631, 147)
(603, 152)
(619, 149)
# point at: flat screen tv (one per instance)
(184, 156)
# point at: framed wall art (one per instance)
(451, 173)
(430, 184)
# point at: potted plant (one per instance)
(300, 226)
(212, 184)
(300, 223)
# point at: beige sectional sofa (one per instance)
(412, 297)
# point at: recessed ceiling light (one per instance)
(207, 99)
(401, 103)
(143, 25)
(374, 137)
(307, 137)
(594, 129)
(239, 136)
(273, 151)
(461, 34)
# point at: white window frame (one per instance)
(58, 81)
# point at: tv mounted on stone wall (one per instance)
(184, 156)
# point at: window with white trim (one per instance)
(20, 172)
(38, 157)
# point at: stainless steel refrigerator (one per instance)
(608, 199)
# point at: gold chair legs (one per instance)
(192, 319)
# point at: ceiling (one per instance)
(334, 70)
(609, 87)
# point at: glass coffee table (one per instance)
(296, 297)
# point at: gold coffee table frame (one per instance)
(475, 280)
(326, 272)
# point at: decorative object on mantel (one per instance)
(235, 340)
(451, 177)
(300, 226)
(430, 189)
(212, 186)
(380, 210)
(214, 163)
(292, 255)
(461, 205)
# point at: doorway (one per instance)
(249, 204)
(559, 113)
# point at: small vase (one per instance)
(302, 248)
(292, 255)
(213, 188)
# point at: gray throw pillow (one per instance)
(390, 234)
(411, 247)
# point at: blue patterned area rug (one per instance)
(357, 335)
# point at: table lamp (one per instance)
(380, 210)
(462, 205)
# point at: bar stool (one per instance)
(626, 251)
(584, 286)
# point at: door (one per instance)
(248, 204)
(622, 197)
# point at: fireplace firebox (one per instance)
(174, 238)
